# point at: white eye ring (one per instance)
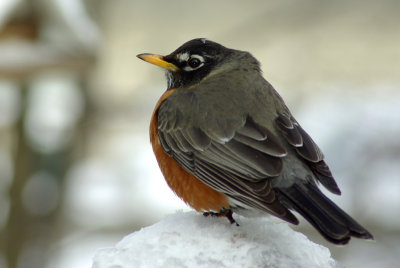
(197, 62)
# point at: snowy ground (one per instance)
(191, 240)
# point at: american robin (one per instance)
(226, 142)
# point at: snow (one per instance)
(192, 240)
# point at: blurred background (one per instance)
(76, 168)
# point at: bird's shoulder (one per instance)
(220, 102)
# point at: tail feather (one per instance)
(331, 221)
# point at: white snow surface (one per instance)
(192, 240)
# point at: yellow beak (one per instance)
(158, 60)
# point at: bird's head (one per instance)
(196, 59)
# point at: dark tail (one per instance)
(331, 221)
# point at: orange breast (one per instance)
(194, 192)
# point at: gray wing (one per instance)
(306, 149)
(239, 167)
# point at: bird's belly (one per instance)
(194, 192)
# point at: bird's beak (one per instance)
(158, 60)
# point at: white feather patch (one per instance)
(183, 56)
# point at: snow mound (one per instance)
(192, 240)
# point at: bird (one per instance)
(226, 143)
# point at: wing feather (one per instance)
(307, 149)
(241, 166)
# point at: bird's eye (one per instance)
(194, 62)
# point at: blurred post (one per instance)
(40, 64)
